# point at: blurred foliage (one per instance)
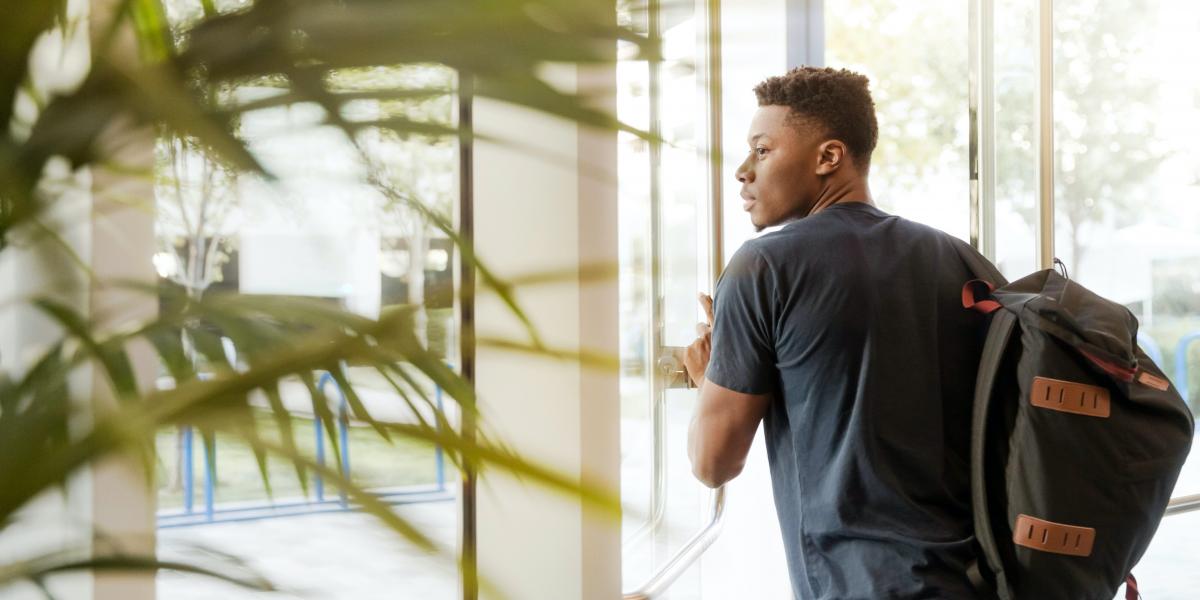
(919, 85)
(189, 58)
(1105, 107)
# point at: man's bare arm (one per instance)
(724, 422)
(721, 432)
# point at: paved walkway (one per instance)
(331, 556)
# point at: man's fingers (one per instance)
(695, 357)
(706, 302)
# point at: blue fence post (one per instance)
(1151, 347)
(210, 476)
(1181, 367)
(318, 481)
(343, 425)
(189, 478)
(344, 436)
(437, 449)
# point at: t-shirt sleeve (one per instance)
(743, 347)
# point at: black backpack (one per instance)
(1077, 439)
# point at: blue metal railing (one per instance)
(437, 449)
(343, 424)
(210, 476)
(1182, 381)
(1151, 347)
(262, 510)
(1182, 372)
(188, 477)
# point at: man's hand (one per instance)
(695, 359)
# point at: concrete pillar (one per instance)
(552, 210)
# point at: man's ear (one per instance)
(830, 156)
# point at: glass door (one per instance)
(1094, 117)
(666, 235)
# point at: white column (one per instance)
(122, 243)
(550, 210)
(122, 503)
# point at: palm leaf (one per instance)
(65, 562)
(298, 47)
(112, 357)
(24, 22)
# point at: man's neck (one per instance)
(853, 189)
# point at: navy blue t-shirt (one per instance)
(852, 319)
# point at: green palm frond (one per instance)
(304, 49)
(221, 403)
(40, 567)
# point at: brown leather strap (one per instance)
(1049, 536)
(1154, 381)
(1071, 397)
(1131, 588)
(976, 294)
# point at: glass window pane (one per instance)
(1015, 77)
(320, 231)
(635, 289)
(663, 250)
(915, 54)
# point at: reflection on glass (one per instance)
(915, 54)
(1127, 197)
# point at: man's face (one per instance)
(779, 177)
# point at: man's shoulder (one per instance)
(834, 245)
(795, 241)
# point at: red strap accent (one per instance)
(971, 297)
(1122, 373)
(1131, 589)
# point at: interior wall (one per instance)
(539, 211)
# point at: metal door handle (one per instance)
(687, 555)
(670, 362)
(1183, 504)
(674, 376)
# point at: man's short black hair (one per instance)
(836, 99)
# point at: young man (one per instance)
(845, 334)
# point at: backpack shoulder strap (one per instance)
(999, 334)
